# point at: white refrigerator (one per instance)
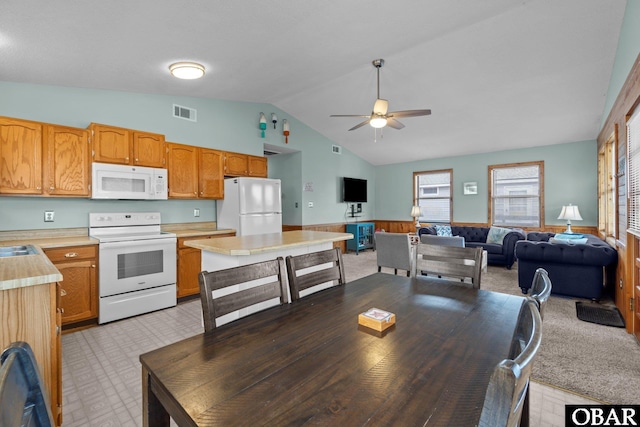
(251, 206)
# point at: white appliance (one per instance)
(128, 182)
(251, 206)
(137, 264)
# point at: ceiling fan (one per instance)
(379, 116)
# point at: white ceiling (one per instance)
(497, 74)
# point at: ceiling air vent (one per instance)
(186, 113)
(336, 149)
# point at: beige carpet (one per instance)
(600, 362)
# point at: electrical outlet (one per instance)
(296, 204)
(359, 207)
(48, 216)
(310, 204)
(196, 212)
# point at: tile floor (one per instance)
(101, 371)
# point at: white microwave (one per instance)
(128, 182)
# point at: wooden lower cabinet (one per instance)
(31, 314)
(190, 264)
(79, 286)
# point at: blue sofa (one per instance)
(503, 254)
(575, 270)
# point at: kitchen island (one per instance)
(227, 252)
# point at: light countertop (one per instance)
(251, 245)
(27, 270)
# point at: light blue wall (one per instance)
(288, 168)
(570, 176)
(626, 54)
(225, 125)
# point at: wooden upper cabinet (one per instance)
(210, 173)
(182, 170)
(257, 166)
(20, 156)
(110, 144)
(148, 150)
(123, 146)
(67, 165)
(236, 164)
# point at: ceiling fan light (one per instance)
(378, 122)
(186, 70)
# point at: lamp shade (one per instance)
(571, 213)
(415, 211)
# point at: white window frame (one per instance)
(540, 196)
(424, 213)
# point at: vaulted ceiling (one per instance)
(497, 74)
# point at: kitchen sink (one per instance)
(9, 251)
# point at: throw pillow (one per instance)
(496, 234)
(443, 230)
(563, 236)
(582, 241)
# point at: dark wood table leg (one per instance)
(153, 413)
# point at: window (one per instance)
(432, 192)
(516, 194)
(607, 190)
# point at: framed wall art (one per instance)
(470, 188)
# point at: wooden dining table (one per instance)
(310, 363)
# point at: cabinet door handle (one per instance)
(63, 293)
(52, 188)
(71, 255)
(136, 160)
(93, 266)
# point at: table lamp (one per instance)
(570, 213)
(415, 213)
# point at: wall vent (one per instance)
(185, 113)
(336, 149)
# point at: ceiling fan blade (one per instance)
(350, 115)
(409, 113)
(381, 106)
(359, 125)
(393, 123)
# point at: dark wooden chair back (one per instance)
(449, 261)
(215, 307)
(329, 268)
(22, 396)
(506, 400)
(541, 289)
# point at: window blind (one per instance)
(633, 171)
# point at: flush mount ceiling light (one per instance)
(187, 70)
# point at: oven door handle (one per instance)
(134, 243)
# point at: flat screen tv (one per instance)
(354, 190)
